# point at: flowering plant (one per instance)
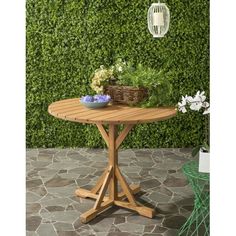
(197, 103)
(124, 73)
(100, 78)
(103, 75)
(119, 67)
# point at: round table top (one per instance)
(73, 110)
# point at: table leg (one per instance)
(109, 181)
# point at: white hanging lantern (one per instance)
(158, 19)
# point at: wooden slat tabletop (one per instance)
(72, 110)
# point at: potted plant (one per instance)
(133, 85)
(156, 83)
(199, 103)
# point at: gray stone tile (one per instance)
(159, 229)
(56, 202)
(82, 182)
(163, 190)
(61, 226)
(119, 220)
(82, 207)
(63, 165)
(33, 222)
(185, 191)
(54, 208)
(149, 228)
(46, 229)
(99, 164)
(174, 222)
(40, 163)
(144, 164)
(45, 157)
(29, 233)
(33, 208)
(130, 169)
(32, 197)
(152, 183)
(121, 234)
(67, 233)
(175, 182)
(57, 181)
(48, 172)
(130, 227)
(65, 191)
(167, 208)
(186, 150)
(171, 232)
(152, 234)
(101, 234)
(40, 191)
(101, 224)
(47, 151)
(69, 176)
(64, 170)
(61, 216)
(158, 172)
(82, 170)
(159, 197)
(140, 220)
(33, 183)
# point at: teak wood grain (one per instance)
(72, 110)
(113, 115)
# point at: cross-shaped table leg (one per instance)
(109, 180)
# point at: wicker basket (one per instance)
(126, 94)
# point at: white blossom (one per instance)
(182, 108)
(119, 68)
(207, 111)
(205, 104)
(194, 103)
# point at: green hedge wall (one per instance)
(68, 39)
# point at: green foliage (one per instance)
(157, 82)
(67, 40)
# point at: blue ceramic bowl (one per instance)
(94, 105)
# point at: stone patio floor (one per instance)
(54, 174)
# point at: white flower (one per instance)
(189, 99)
(197, 101)
(194, 103)
(200, 96)
(120, 69)
(207, 111)
(182, 104)
(182, 108)
(205, 104)
(196, 106)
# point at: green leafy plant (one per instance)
(157, 82)
(126, 74)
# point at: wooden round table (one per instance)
(113, 115)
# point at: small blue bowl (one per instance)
(94, 105)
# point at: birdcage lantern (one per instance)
(158, 19)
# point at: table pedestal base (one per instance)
(103, 202)
(110, 178)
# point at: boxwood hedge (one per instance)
(67, 40)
